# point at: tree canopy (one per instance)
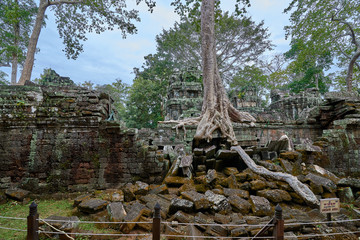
(16, 21)
(75, 18)
(331, 26)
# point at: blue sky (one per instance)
(108, 56)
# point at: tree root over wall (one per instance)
(300, 188)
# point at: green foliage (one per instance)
(327, 29)
(16, 21)
(144, 106)
(239, 40)
(51, 78)
(77, 19)
(119, 93)
(3, 80)
(308, 67)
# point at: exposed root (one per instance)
(300, 188)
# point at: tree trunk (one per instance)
(15, 58)
(350, 71)
(217, 111)
(30, 56)
(300, 188)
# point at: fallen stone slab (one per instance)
(134, 213)
(178, 204)
(274, 195)
(324, 182)
(200, 201)
(219, 202)
(65, 224)
(92, 205)
(260, 206)
(239, 204)
(116, 211)
(17, 194)
(239, 192)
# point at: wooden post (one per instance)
(156, 222)
(33, 223)
(279, 224)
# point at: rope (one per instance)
(315, 223)
(13, 218)
(60, 231)
(217, 237)
(53, 220)
(101, 234)
(14, 229)
(326, 234)
(216, 224)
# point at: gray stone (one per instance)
(211, 175)
(219, 202)
(183, 217)
(17, 194)
(239, 232)
(116, 211)
(200, 201)
(151, 200)
(324, 182)
(349, 182)
(141, 188)
(135, 211)
(226, 154)
(92, 205)
(260, 206)
(198, 151)
(239, 204)
(345, 194)
(210, 151)
(274, 195)
(178, 204)
(238, 192)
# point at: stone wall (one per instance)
(57, 139)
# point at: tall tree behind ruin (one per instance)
(75, 18)
(16, 21)
(332, 26)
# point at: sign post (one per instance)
(328, 206)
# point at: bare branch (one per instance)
(352, 32)
(58, 2)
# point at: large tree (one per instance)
(16, 21)
(217, 111)
(75, 18)
(332, 26)
(239, 40)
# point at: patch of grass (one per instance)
(46, 208)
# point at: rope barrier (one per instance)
(316, 223)
(212, 237)
(216, 224)
(13, 229)
(101, 234)
(325, 234)
(13, 218)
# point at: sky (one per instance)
(107, 56)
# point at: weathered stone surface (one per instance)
(150, 201)
(231, 182)
(271, 166)
(349, 182)
(291, 156)
(257, 185)
(239, 192)
(178, 204)
(175, 181)
(211, 175)
(239, 204)
(129, 192)
(162, 189)
(219, 202)
(141, 188)
(202, 219)
(116, 211)
(239, 232)
(65, 224)
(325, 173)
(275, 195)
(286, 165)
(324, 182)
(182, 217)
(92, 205)
(198, 151)
(260, 206)
(346, 195)
(226, 155)
(222, 219)
(134, 213)
(230, 170)
(17, 194)
(210, 152)
(81, 198)
(200, 201)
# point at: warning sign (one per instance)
(329, 205)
